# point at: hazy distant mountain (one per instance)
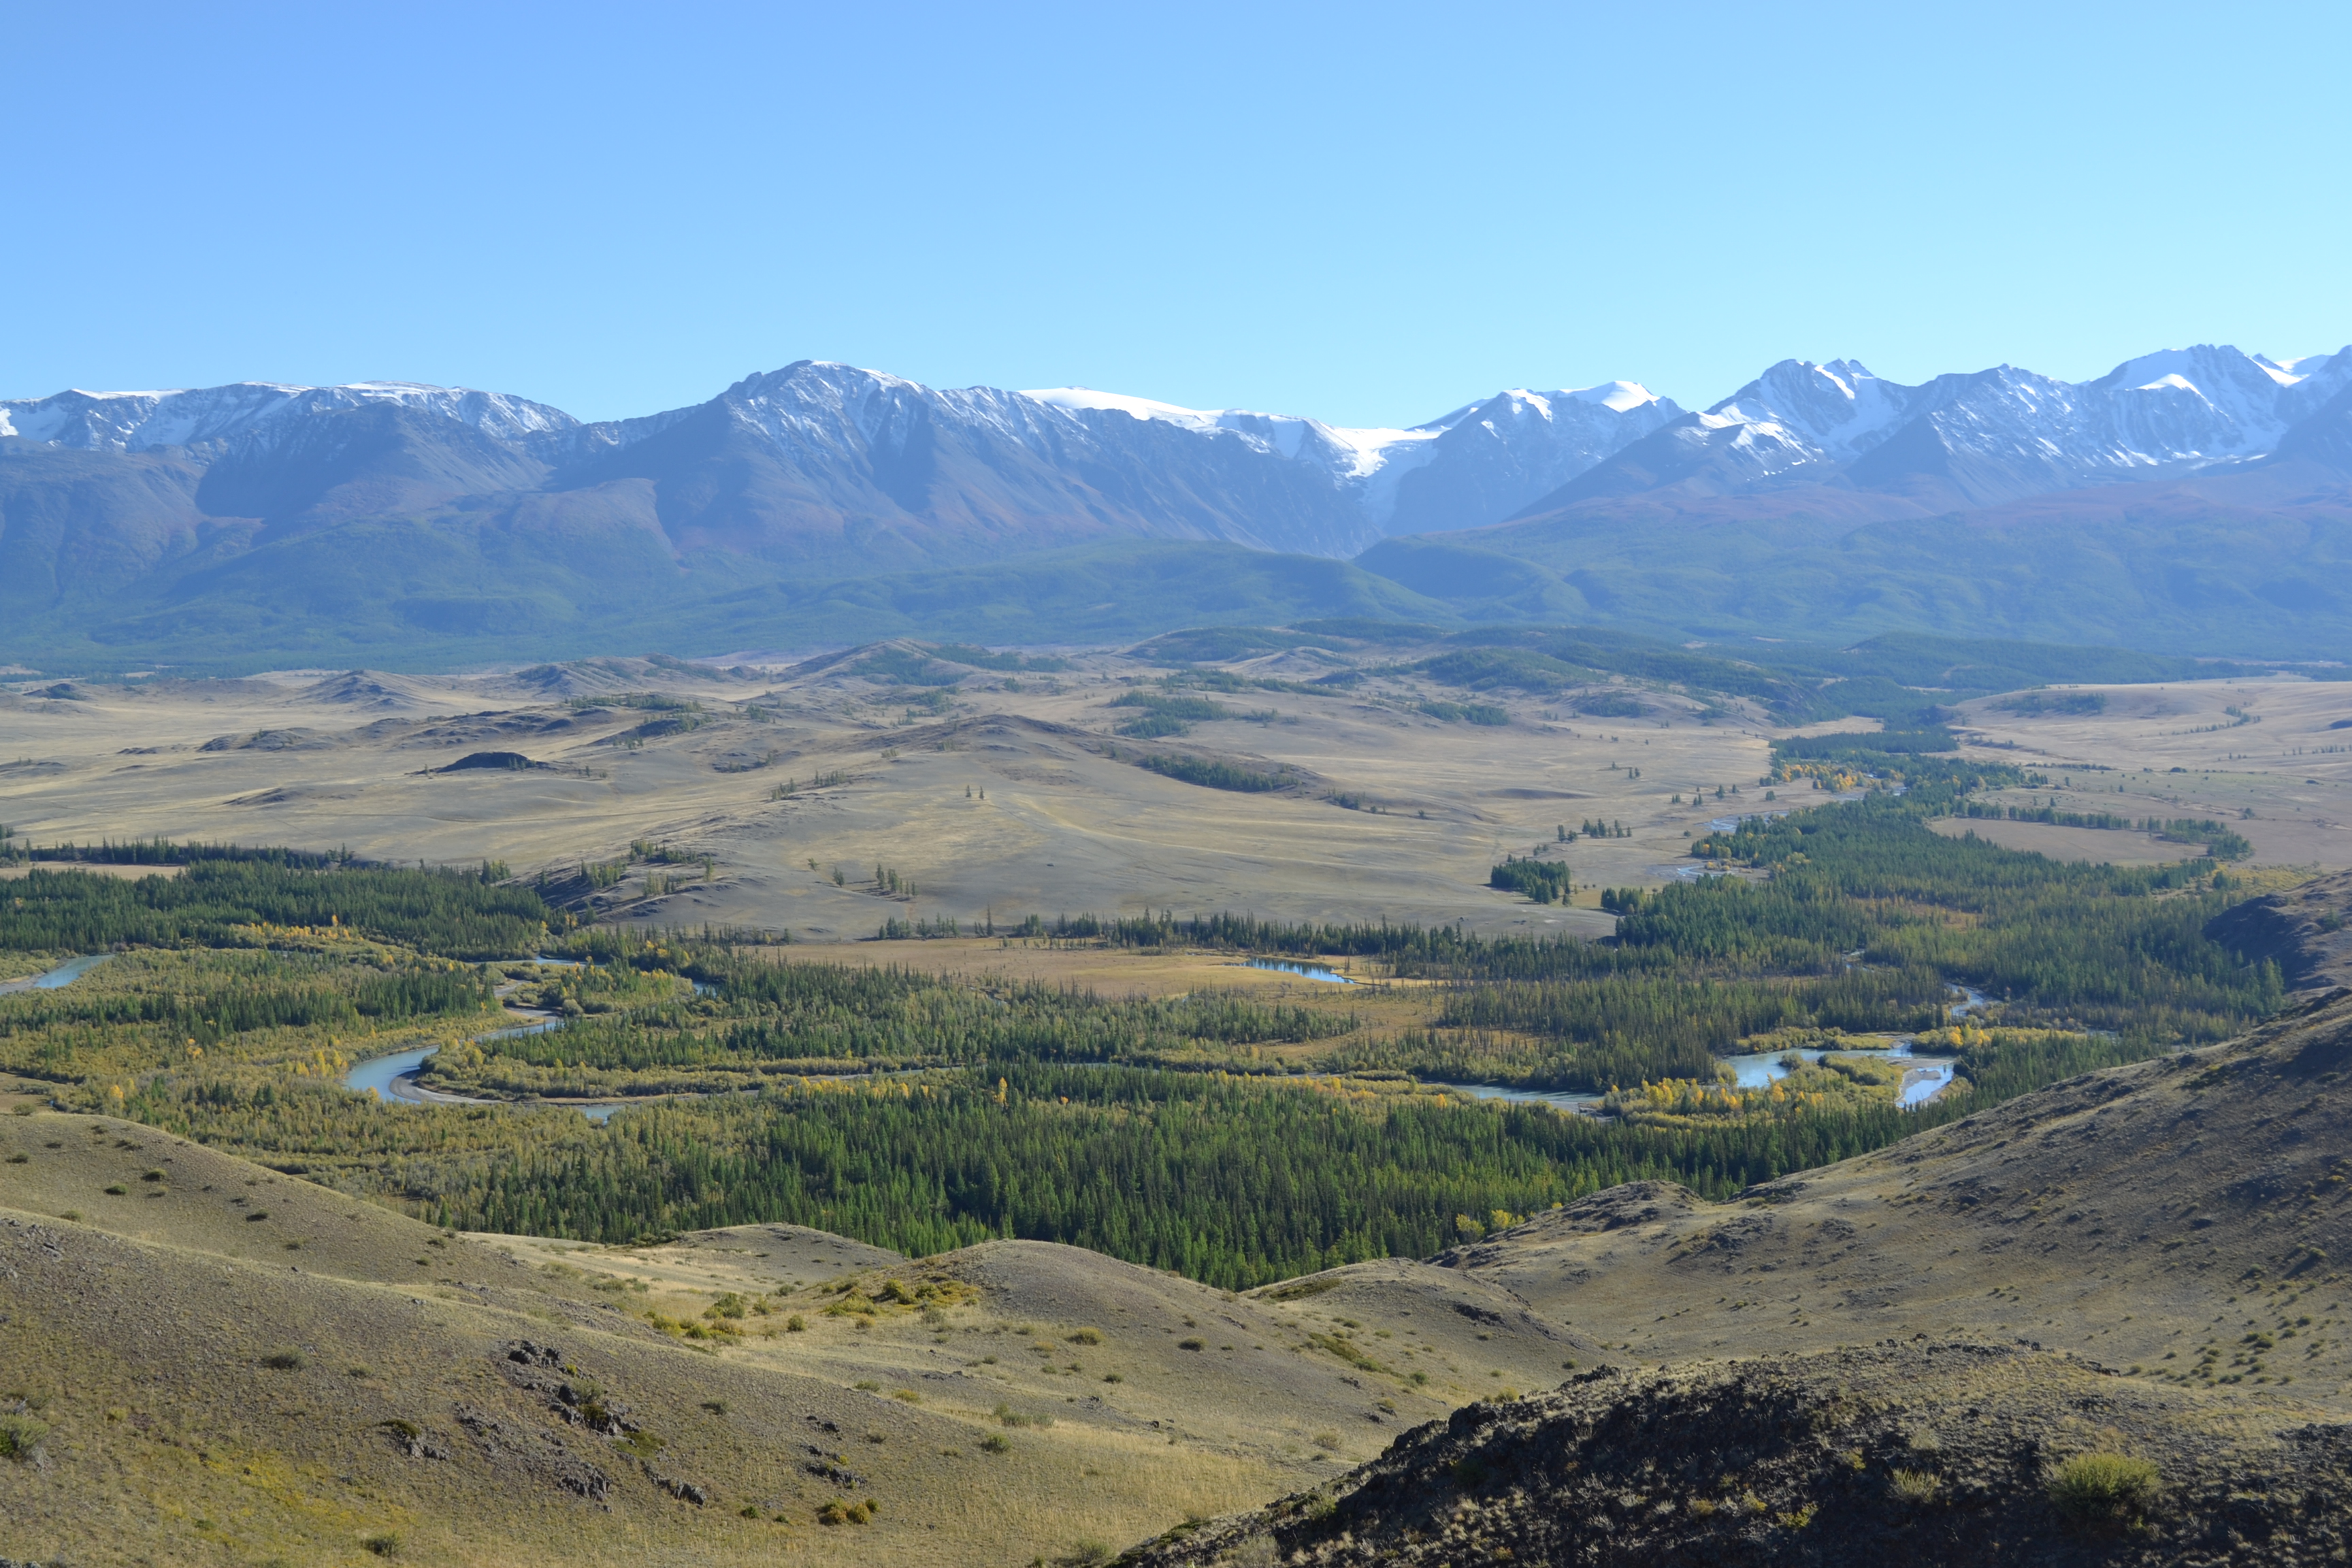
(316, 516)
(253, 412)
(832, 467)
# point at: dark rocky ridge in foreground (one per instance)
(1935, 1452)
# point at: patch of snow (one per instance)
(1617, 396)
(1140, 407)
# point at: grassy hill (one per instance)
(2097, 1324)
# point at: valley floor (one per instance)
(219, 1362)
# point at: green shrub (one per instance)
(384, 1544)
(992, 1443)
(2100, 1489)
(20, 1436)
(1917, 1488)
(285, 1361)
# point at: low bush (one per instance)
(2102, 1488)
(20, 1436)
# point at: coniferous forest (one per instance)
(1237, 1138)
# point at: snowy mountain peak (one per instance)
(142, 421)
(1839, 407)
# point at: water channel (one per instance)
(1926, 1077)
(64, 974)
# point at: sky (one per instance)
(1368, 214)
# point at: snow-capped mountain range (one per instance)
(831, 468)
(1995, 435)
(217, 416)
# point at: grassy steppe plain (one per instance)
(1019, 797)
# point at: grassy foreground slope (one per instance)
(228, 1363)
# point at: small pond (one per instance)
(1308, 971)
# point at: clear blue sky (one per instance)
(1368, 214)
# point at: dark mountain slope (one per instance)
(375, 461)
(845, 471)
(2249, 562)
(80, 521)
(2306, 931)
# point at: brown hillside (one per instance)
(2135, 1264)
(2147, 1215)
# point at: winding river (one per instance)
(393, 1076)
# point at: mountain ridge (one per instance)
(138, 520)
